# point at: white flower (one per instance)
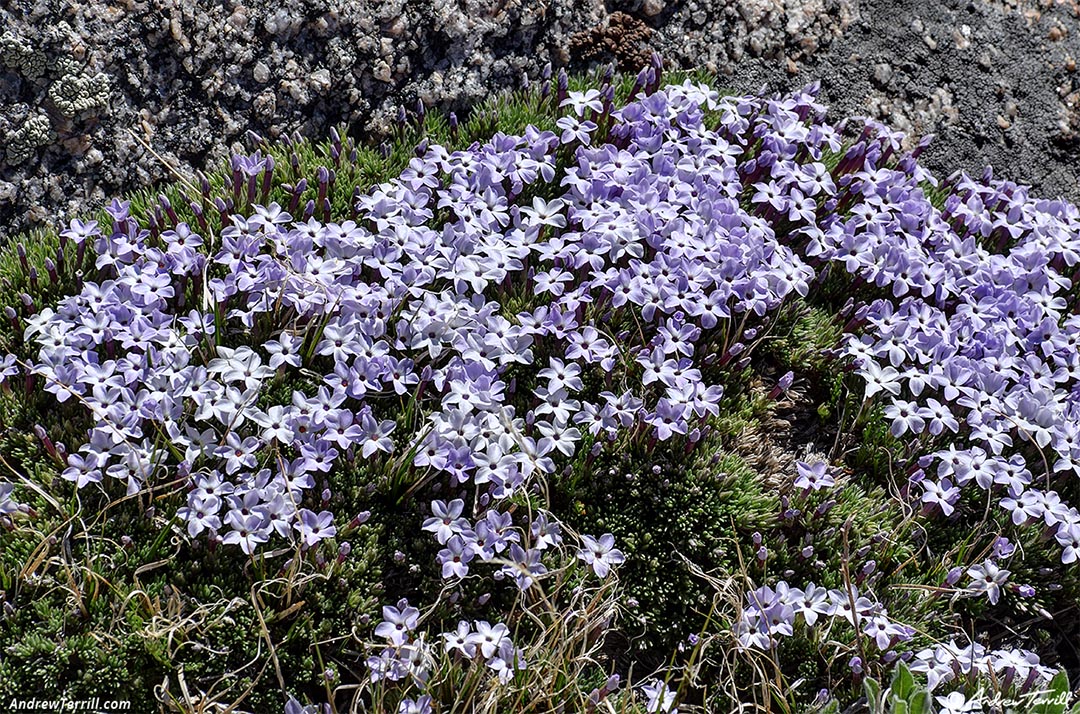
(878, 379)
(957, 703)
(600, 553)
(987, 578)
(660, 698)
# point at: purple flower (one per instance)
(906, 416)
(458, 640)
(525, 566)
(420, 705)
(446, 520)
(941, 494)
(987, 578)
(489, 638)
(84, 469)
(813, 476)
(397, 623)
(454, 558)
(238, 452)
(247, 532)
(314, 528)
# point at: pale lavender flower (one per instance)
(600, 553)
(315, 527)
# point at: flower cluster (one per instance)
(977, 347)
(772, 613)
(949, 661)
(494, 538)
(489, 312)
(405, 654)
(388, 306)
(491, 643)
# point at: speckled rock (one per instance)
(992, 87)
(190, 77)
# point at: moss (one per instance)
(661, 509)
(804, 335)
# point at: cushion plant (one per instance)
(634, 393)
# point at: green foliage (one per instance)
(803, 336)
(664, 511)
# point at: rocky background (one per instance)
(93, 93)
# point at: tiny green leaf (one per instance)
(903, 684)
(873, 695)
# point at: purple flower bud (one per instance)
(1003, 548)
(954, 575)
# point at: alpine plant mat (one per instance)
(645, 399)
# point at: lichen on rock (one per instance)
(23, 142)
